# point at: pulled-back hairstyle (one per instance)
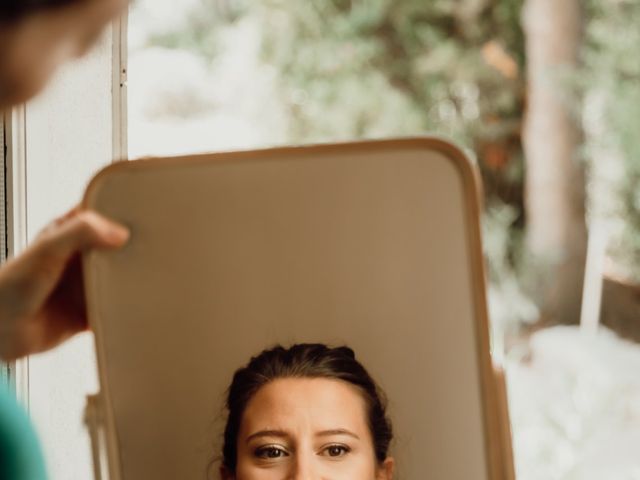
(304, 361)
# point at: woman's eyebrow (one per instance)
(268, 433)
(337, 431)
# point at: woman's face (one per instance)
(307, 428)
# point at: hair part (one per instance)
(304, 361)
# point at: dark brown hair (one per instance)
(304, 361)
(15, 9)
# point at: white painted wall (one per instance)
(68, 138)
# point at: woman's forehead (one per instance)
(313, 404)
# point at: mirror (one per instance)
(375, 245)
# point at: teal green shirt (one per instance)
(20, 453)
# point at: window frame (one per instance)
(15, 205)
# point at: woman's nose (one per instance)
(304, 468)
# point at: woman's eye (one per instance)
(270, 452)
(336, 450)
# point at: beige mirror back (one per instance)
(374, 245)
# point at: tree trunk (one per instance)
(554, 184)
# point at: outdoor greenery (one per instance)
(389, 67)
(401, 67)
(612, 81)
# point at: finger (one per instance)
(68, 216)
(82, 231)
(57, 222)
(64, 313)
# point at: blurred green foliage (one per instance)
(369, 68)
(612, 76)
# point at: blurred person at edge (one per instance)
(41, 297)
